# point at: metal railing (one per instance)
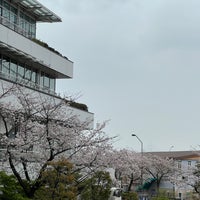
(15, 27)
(28, 84)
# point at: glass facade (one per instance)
(21, 73)
(47, 81)
(17, 20)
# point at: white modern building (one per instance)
(24, 59)
(32, 64)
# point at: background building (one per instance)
(185, 161)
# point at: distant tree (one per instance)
(158, 168)
(97, 187)
(191, 177)
(127, 165)
(195, 183)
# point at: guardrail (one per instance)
(27, 83)
(15, 27)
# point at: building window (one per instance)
(179, 164)
(33, 77)
(46, 81)
(26, 25)
(27, 74)
(0, 62)
(5, 65)
(41, 79)
(189, 164)
(13, 70)
(20, 72)
(52, 84)
(1, 9)
(13, 17)
(6, 10)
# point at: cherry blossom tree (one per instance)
(37, 129)
(194, 179)
(190, 177)
(158, 167)
(127, 165)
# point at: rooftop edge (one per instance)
(42, 13)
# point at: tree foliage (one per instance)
(129, 196)
(127, 165)
(58, 182)
(191, 178)
(10, 188)
(97, 187)
(38, 129)
(160, 198)
(159, 168)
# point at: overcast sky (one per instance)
(136, 63)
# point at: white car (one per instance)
(115, 194)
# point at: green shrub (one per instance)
(97, 187)
(160, 198)
(80, 106)
(10, 188)
(129, 196)
(58, 182)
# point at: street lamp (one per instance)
(171, 147)
(134, 135)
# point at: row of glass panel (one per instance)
(17, 20)
(23, 73)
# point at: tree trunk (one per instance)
(130, 183)
(158, 186)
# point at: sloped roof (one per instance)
(178, 155)
(41, 13)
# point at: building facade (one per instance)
(26, 61)
(185, 162)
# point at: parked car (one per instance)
(116, 194)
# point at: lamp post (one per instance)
(171, 147)
(134, 135)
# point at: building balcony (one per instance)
(26, 50)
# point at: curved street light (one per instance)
(134, 135)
